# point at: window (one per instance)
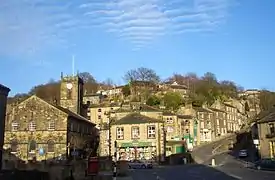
(99, 117)
(14, 146)
(169, 120)
(99, 110)
(14, 126)
(50, 146)
(32, 146)
(170, 129)
(135, 132)
(271, 128)
(151, 132)
(187, 131)
(72, 126)
(32, 126)
(218, 122)
(202, 125)
(120, 133)
(51, 126)
(201, 115)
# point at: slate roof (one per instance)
(218, 110)
(268, 118)
(167, 113)
(229, 105)
(200, 109)
(136, 118)
(265, 116)
(143, 108)
(72, 114)
(4, 87)
(185, 116)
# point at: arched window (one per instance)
(50, 146)
(32, 146)
(14, 146)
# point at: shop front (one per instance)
(137, 150)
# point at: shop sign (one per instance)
(136, 144)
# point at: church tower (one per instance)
(71, 93)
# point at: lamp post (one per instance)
(109, 123)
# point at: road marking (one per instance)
(235, 176)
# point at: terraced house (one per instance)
(139, 137)
(266, 132)
(4, 91)
(38, 130)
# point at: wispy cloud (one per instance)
(31, 26)
(149, 19)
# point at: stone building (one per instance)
(36, 129)
(139, 137)
(266, 133)
(220, 123)
(4, 91)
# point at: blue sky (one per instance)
(233, 39)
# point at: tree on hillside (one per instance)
(141, 74)
(126, 90)
(87, 77)
(109, 82)
(172, 100)
(206, 88)
(267, 100)
(90, 84)
(153, 100)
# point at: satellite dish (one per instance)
(69, 86)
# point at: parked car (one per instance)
(137, 164)
(265, 164)
(243, 153)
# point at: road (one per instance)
(190, 172)
(228, 168)
(237, 168)
(204, 153)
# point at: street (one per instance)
(189, 172)
(227, 168)
(204, 153)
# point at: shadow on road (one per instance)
(244, 141)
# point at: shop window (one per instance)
(120, 133)
(151, 132)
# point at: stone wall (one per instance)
(41, 113)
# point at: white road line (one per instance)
(234, 176)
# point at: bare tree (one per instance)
(141, 74)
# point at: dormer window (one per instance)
(32, 126)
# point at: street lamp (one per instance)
(109, 123)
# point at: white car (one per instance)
(243, 153)
(137, 164)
